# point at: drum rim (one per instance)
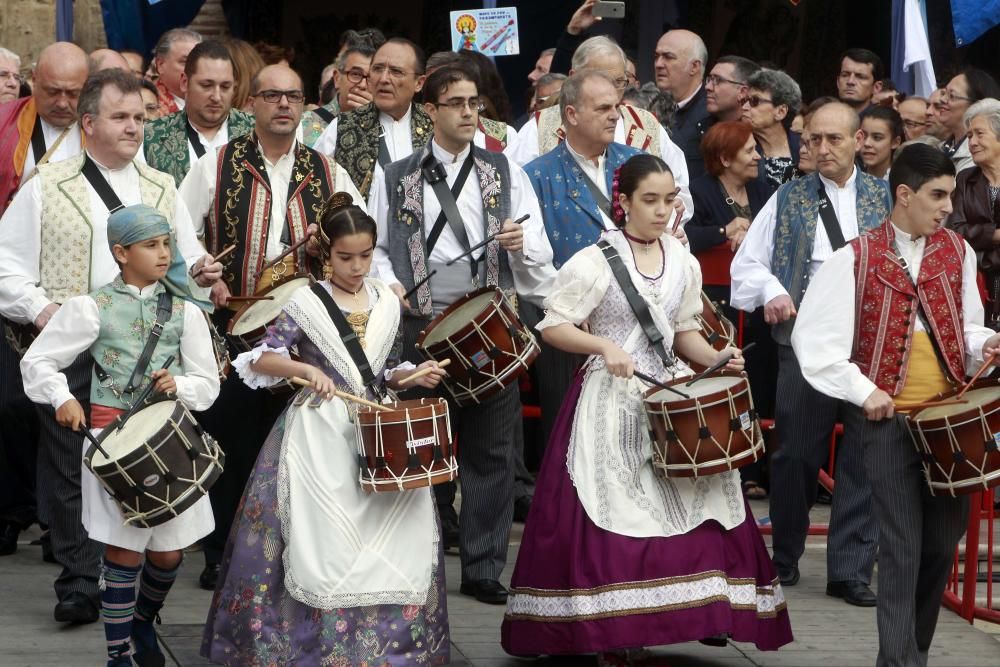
(246, 306)
(524, 359)
(499, 297)
(968, 412)
(691, 402)
(756, 447)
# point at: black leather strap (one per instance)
(636, 303)
(383, 149)
(350, 339)
(602, 202)
(38, 141)
(436, 176)
(101, 185)
(325, 114)
(193, 139)
(164, 309)
(830, 223)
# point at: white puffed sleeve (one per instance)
(579, 287)
(691, 303)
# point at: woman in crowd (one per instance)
(962, 91)
(616, 556)
(311, 575)
(976, 214)
(770, 107)
(246, 63)
(882, 128)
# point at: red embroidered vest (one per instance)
(886, 305)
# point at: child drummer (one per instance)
(921, 323)
(334, 573)
(114, 323)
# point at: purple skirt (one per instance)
(253, 621)
(578, 588)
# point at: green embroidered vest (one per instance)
(165, 143)
(126, 320)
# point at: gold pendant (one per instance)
(359, 322)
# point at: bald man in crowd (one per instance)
(679, 62)
(107, 59)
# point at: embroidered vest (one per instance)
(165, 142)
(313, 125)
(66, 228)
(797, 215)
(642, 129)
(241, 212)
(886, 305)
(495, 133)
(407, 236)
(126, 321)
(357, 141)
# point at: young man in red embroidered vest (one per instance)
(892, 319)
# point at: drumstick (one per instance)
(342, 394)
(677, 223)
(654, 381)
(420, 374)
(906, 407)
(90, 436)
(982, 369)
(419, 285)
(251, 298)
(292, 248)
(216, 258)
(137, 404)
(716, 366)
(484, 242)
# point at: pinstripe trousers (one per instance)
(60, 457)
(805, 418)
(918, 534)
(486, 469)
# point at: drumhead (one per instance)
(975, 398)
(453, 322)
(262, 313)
(704, 387)
(140, 427)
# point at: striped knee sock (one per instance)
(118, 606)
(154, 585)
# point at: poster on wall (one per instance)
(492, 32)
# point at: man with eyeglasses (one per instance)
(860, 78)
(726, 87)
(798, 229)
(415, 238)
(259, 192)
(679, 61)
(913, 111)
(389, 129)
(10, 75)
(350, 80)
(175, 142)
(635, 127)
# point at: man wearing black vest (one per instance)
(480, 193)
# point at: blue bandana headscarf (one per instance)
(139, 222)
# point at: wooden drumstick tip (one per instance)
(982, 369)
(343, 394)
(426, 371)
(217, 258)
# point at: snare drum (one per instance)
(488, 345)
(406, 448)
(712, 431)
(960, 443)
(715, 328)
(158, 465)
(248, 326)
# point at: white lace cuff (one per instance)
(405, 366)
(257, 380)
(553, 319)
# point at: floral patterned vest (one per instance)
(642, 129)
(165, 142)
(887, 303)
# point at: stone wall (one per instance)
(27, 26)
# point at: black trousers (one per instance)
(18, 445)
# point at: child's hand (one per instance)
(321, 384)
(433, 378)
(164, 382)
(70, 414)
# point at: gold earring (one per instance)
(327, 272)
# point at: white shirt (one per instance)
(823, 337)
(220, 139)
(75, 327)
(687, 100)
(753, 284)
(528, 264)
(21, 298)
(596, 173)
(198, 192)
(527, 150)
(70, 146)
(179, 101)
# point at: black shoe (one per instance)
(449, 532)
(853, 592)
(521, 507)
(788, 576)
(489, 591)
(8, 538)
(719, 641)
(76, 608)
(147, 651)
(209, 577)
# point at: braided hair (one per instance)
(627, 178)
(340, 216)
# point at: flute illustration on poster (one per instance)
(492, 32)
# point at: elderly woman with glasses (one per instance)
(976, 198)
(770, 106)
(10, 76)
(958, 96)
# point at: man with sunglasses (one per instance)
(391, 128)
(350, 83)
(432, 207)
(798, 229)
(175, 142)
(259, 192)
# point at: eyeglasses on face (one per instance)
(274, 96)
(457, 104)
(715, 80)
(14, 76)
(756, 100)
(355, 75)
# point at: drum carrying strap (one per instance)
(435, 176)
(101, 185)
(164, 309)
(829, 218)
(194, 140)
(350, 339)
(637, 303)
(327, 117)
